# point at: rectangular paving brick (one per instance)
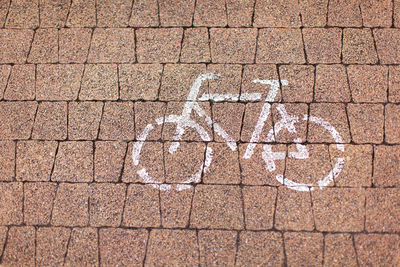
(377, 250)
(304, 249)
(23, 14)
(99, 82)
(38, 202)
(3, 236)
(51, 245)
(377, 13)
(217, 206)
(280, 45)
(111, 13)
(11, 203)
(144, 13)
(16, 119)
(51, 121)
(259, 206)
(195, 46)
(300, 82)
(82, 13)
(234, 45)
(339, 250)
(388, 45)
(5, 71)
(331, 84)
(20, 247)
(117, 121)
(344, 13)
(122, 246)
(172, 16)
(296, 112)
(53, 13)
(74, 44)
(175, 247)
(229, 81)
(71, 205)
(14, 45)
(358, 46)
(394, 84)
(83, 248)
(160, 45)
(366, 122)
(210, 13)
(382, 214)
(259, 71)
(58, 81)
(4, 5)
(108, 160)
(339, 209)
(260, 248)
(392, 123)
(229, 117)
(323, 45)
(106, 202)
(282, 13)
(112, 45)
(175, 207)
(386, 166)
(146, 113)
(217, 248)
(240, 13)
(84, 120)
(313, 12)
(7, 162)
(21, 83)
(74, 162)
(139, 81)
(44, 46)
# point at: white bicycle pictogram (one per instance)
(184, 121)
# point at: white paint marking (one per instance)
(233, 97)
(270, 157)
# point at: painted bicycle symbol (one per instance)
(183, 121)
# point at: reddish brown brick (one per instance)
(377, 250)
(144, 14)
(195, 46)
(230, 80)
(386, 166)
(335, 115)
(20, 247)
(301, 83)
(106, 201)
(252, 72)
(217, 248)
(23, 14)
(53, 13)
(170, 15)
(339, 250)
(139, 81)
(51, 121)
(175, 207)
(394, 84)
(280, 45)
(357, 170)
(14, 45)
(388, 45)
(224, 168)
(16, 119)
(282, 13)
(293, 210)
(323, 45)
(217, 206)
(122, 246)
(74, 162)
(331, 84)
(11, 203)
(108, 160)
(74, 44)
(382, 213)
(210, 13)
(254, 170)
(51, 245)
(84, 120)
(58, 81)
(344, 13)
(38, 202)
(4, 5)
(99, 82)
(142, 207)
(82, 13)
(293, 110)
(396, 13)
(233, 45)
(368, 83)
(71, 205)
(5, 71)
(240, 13)
(177, 79)
(313, 13)
(358, 46)
(146, 113)
(111, 13)
(7, 162)
(259, 206)
(112, 45)
(229, 117)
(366, 122)
(21, 84)
(158, 45)
(172, 247)
(304, 249)
(117, 122)
(260, 248)
(83, 248)
(339, 209)
(392, 123)
(44, 46)
(376, 13)
(3, 236)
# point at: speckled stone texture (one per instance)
(102, 163)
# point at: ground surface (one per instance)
(80, 83)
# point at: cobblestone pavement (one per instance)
(95, 171)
